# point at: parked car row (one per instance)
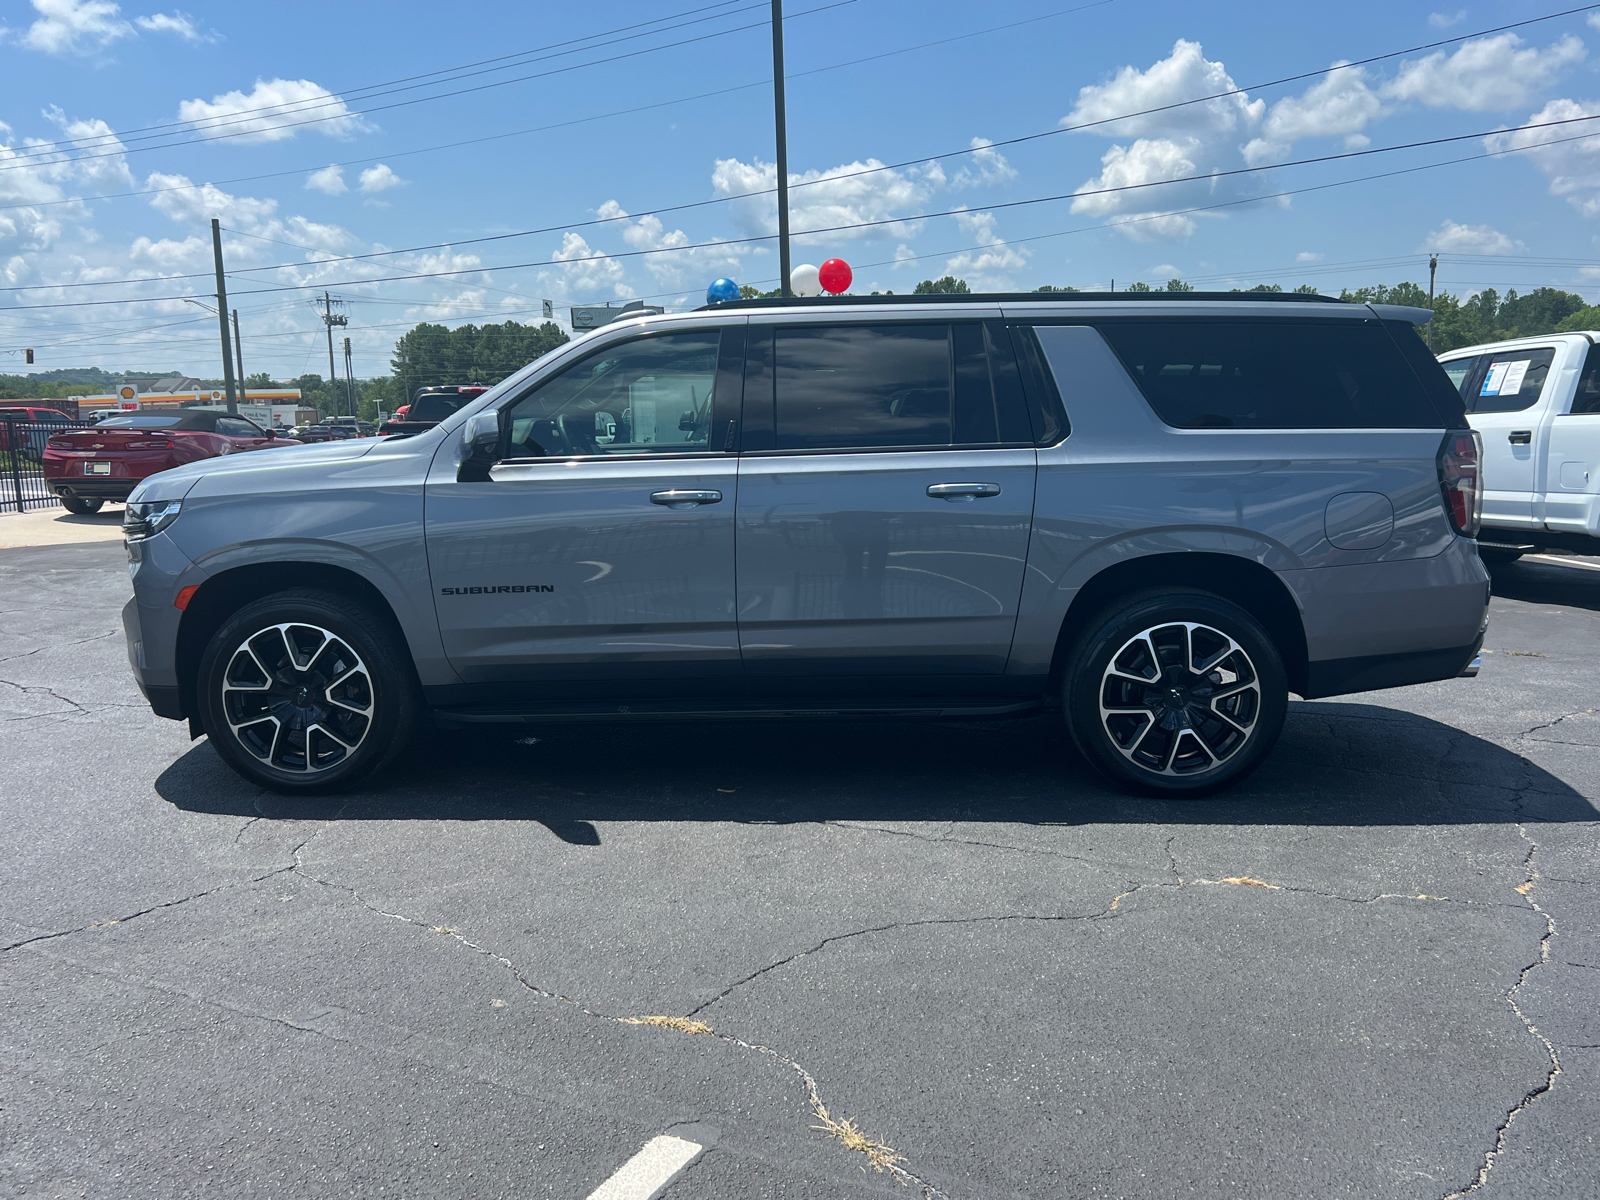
(87, 467)
(1158, 515)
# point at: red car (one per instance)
(87, 467)
(28, 423)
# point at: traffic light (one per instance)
(29, 354)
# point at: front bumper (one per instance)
(150, 621)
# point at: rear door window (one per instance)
(1214, 374)
(1459, 370)
(1587, 399)
(1509, 380)
(863, 387)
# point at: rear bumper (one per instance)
(91, 488)
(1341, 676)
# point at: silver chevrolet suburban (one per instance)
(1160, 514)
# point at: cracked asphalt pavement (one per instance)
(946, 951)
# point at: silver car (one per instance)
(1160, 515)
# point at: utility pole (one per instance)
(330, 319)
(349, 380)
(222, 316)
(783, 149)
(238, 359)
(1433, 268)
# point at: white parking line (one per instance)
(644, 1175)
(1562, 561)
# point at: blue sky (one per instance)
(101, 99)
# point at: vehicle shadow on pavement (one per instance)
(1337, 764)
(1541, 581)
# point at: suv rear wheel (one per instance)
(306, 691)
(1175, 692)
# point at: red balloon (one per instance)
(834, 275)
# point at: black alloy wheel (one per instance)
(1175, 692)
(307, 691)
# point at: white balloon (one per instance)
(803, 281)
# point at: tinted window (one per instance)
(845, 387)
(237, 427)
(1510, 380)
(151, 422)
(1272, 374)
(648, 396)
(435, 408)
(1587, 399)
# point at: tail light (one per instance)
(58, 444)
(1461, 479)
(153, 444)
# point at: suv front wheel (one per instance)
(306, 691)
(1175, 692)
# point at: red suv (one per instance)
(25, 421)
(87, 467)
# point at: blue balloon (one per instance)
(722, 291)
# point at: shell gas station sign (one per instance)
(127, 398)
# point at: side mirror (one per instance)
(271, 433)
(480, 444)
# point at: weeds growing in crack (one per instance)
(848, 1134)
(681, 1024)
(1525, 890)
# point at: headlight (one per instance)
(140, 521)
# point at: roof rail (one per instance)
(1021, 298)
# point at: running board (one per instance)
(660, 710)
(1517, 547)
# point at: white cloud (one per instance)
(836, 197)
(588, 271)
(679, 264)
(1445, 20)
(1198, 139)
(273, 111)
(379, 178)
(1593, 20)
(329, 180)
(75, 26)
(169, 255)
(1185, 74)
(1487, 75)
(989, 266)
(1308, 256)
(1451, 238)
(179, 24)
(1573, 168)
(16, 269)
(187, 204)
(1338, 104)
(986, 167)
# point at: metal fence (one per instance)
(22, 444)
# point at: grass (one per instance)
(681, 1024)
(848, 1134)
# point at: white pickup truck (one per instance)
(1536, 404)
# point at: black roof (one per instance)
(1021, 298)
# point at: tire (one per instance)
(307, 691)
(1169, 733)
(80, 505)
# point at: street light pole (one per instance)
(783, 147)
(1433, 268)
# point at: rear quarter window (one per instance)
(1276, 374)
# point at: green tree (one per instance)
(1307, 289)
(746, 292)
(1137, 287)
(1052, 288)
(1178, 285)
(260, 380)
(949, 285)
(432, 356)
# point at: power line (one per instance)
(289, 107)
(621, 112)
(893, 166)
(18, 166)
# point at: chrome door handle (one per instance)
(1520, 437)
(683, 498)
(962, 491)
